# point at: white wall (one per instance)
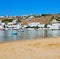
(34, 24)
(54, 26)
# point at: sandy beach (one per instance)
(43, 48)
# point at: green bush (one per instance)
(7, 20)
(33, 27)
(45, 26)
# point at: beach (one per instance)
(41, 48)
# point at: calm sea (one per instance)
(11, 35)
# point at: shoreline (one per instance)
(44, 38)
(41, 48)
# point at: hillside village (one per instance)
(50, 21)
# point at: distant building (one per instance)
(30, 17)
(36, 24)
(54, 24)
(10, 24)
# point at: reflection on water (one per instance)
(10, 35)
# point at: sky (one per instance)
(27, 7)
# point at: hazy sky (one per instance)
(23, 7)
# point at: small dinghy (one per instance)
(14, 33)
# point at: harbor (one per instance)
(25, 34)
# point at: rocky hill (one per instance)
(44, 18)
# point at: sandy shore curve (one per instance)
(43, 48)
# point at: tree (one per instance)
(45, 15)
(45, 26)
(7, 20)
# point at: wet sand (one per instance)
(45, 48)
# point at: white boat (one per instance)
(6, 28)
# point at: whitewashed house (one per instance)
(36, 24)
(29, 18)
(16, 27)
(54, 24)
(49, 26)
(10, 24)
(14, 21)
(33, 24)
(41, 25)
(19, 24)
(24, 26)
(1, 26)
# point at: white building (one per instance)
(10, 24)
(1, 26)
(29, 18)
(24, 26)
(41, 25)
(54, 24)
(14, 21)
(16, 27)
(36, 24)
